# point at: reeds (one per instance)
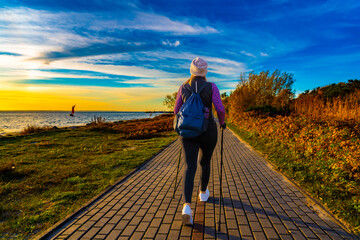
(97, 120)
(315, 107)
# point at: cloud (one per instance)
(96, 49)
(87, 64)
(167, 42)
(59, 35)
(248, 54)
(160, 23)
(264, 54)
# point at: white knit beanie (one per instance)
(198, 67)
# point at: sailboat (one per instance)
(72, 111)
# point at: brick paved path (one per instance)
(259, 204)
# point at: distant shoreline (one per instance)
(15, 121)
(85, 111)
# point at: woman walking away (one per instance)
(206, 142)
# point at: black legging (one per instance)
(206, 142)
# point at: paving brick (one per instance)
(135, 221)
(176, 224)
(99, 237)
(148, 217)
(271, 233)
(297, 235)
(137, 235)
(281, 229)
(91, 233)
(128, 231)
(232, 224)
(286, 237)
(234, 234)
(164, 228)
(113, 234)
(245, 231)
(259, 235)
(155, 222)
(121, 225)
(173, 234)
(107, 229)
(168, 219)
(186, 231)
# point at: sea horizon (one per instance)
(82, 111)
(15, 121)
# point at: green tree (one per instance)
(169, 101)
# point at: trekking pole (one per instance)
(177, 172)
(221, 165)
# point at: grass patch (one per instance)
(333, 187)
(44, 176)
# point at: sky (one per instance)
(115, 55)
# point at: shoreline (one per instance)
(13, 131)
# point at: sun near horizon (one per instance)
(63, 98)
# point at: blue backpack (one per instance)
(190, 121)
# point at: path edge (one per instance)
(52, 230)
(311, 199)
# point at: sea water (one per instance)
(15, 121)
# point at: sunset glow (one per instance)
(124, 56)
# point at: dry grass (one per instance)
(34, 129)
(338, 109)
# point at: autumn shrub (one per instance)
(29, 129)
(263, 89)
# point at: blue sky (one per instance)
(127, 55)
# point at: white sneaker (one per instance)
(187, 215)
(204, 196)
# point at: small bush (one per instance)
(33, 129)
